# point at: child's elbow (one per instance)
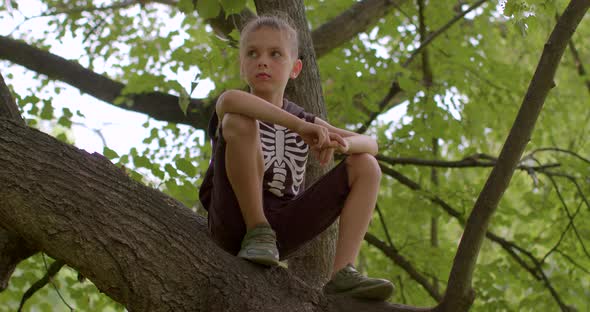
(225, 102)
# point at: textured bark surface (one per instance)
(8, 108)
(12, 248)
(139, 246)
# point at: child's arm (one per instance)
(356, 143)
(243, 103)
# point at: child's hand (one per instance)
(339, 143)
(336, 143)
(316, 136)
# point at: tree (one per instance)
(124, 236)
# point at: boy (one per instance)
(253, 186)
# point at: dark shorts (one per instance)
(295, 221)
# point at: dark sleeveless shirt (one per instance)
(284, 152)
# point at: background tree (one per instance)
(455, 71)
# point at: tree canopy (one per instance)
(441, 84)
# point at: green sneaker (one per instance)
(260, 246)
(349, 281)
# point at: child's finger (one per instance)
(336, 137)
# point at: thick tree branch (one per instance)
(139, 246)
(12, 248)
(157, 105)
(459, 292)
(358, 18)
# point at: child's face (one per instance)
(267, 61)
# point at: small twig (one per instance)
(51, 280)
(572, 261)
(384, 225)
(50, 273)
(560, 150)
(569, 215)
(401, 289)
(562, 236)
(467, 162)
(392, 253)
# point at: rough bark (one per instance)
(349, 23)
(139, 246)
(8, 108)
(314, 262)
(12, 248)
(459, 293)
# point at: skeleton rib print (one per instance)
(285, 156)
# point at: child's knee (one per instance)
(236, 126)
(364, 164)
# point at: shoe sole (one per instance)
(263, 261)
(376, 292)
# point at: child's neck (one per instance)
(274, 98)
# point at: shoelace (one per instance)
(352, 275)
(264, 238)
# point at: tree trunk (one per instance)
(314, 262)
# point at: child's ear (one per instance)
(297, 66)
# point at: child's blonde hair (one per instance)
(275, 21)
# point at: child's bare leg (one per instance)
(244, 165)
(364, 176)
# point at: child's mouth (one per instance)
(263, 76)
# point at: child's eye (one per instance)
(251, 53)
(275, 54)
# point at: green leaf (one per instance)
(186, 167)
(47, 110)
(62, 137)
(109, 153)
(183, 101)
(142, 162)
(65, 121)
(186, 6)
(171, 170)
(233, 6)
(208, 8)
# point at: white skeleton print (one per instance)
(284, 151)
